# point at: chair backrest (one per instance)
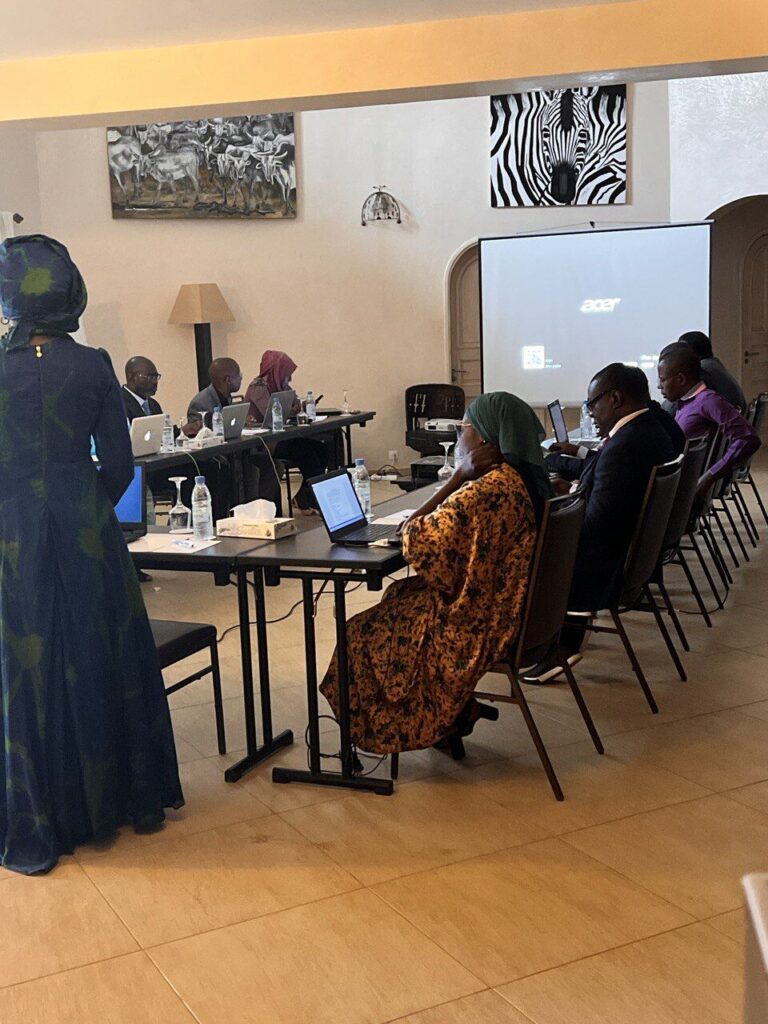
(549, 582)
(694, 460)
(433, 401)
(759, 417)
(651, 529)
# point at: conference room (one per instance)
(421, 674)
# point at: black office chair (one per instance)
(759, 420)
(543, 616)
(639, 568)
(427, 402)
(176, 641)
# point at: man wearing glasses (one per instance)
(140, 388)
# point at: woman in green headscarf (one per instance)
(416, 657)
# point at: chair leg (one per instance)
(673, 615)
(734, 529)
(633, 661)
(522, 703)
(694, 588)
(746, 516)
(726, 539)
(218, 705)
(753, 485)
(577, 696)
(717, 556)
(665, 634)
(394, 765)
(705, 570)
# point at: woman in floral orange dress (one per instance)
(416, 657)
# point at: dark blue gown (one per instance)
(88, 741)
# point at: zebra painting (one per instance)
(559, 147)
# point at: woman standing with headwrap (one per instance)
(88, 744)
(416, 657)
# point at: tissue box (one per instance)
(269, 529)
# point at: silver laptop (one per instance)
(234, 420)
(286, 400)
(147, 435)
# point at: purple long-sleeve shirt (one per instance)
(704, 413)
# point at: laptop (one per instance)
(286, 400)
(234, 420)
(147, 435)
(342, 513)
(557, 416)
(131, 510)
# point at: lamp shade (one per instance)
(200, 304)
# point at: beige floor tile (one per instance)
(597, 788)
(54, 922)
(755, 796)
(687, 976)
(424, 824)
(761, 650)
(196, 726)
(524, 910)
(183, 886)
(743, 629)
(731, 924)
(719, 751)
(483, 1008)
(692, 854)
(185, 752)
(124, 990)
(349, 959)
(759, 709)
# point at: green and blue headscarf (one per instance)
(511, 424)
(40, 288)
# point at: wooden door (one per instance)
(754, 338)
(464, 321)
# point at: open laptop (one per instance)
(342, 513)
(286, 400)
(234, 420)
(147, 435)
(557, 416)
(131, 510)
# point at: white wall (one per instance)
(356, 307)
(19, 187)
(718, 129)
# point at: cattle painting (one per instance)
(218, 167)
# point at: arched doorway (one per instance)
(740, 290)
(463, 318)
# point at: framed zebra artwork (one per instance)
(559, 147)
(242, 167)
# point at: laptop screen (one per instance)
(558, 421)
(130, 509)
(338, 502)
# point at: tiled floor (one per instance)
(469, 896)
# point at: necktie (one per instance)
(145, 407)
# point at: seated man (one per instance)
(637, 438)
(226, 378)
(713, 373)
(701, 411)
(140, 388)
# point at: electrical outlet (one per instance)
(392, 457)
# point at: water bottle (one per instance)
(217, 422)
(202, 512)
(168, 442)
(585, 424)
(310, 408)
(345, 404)
(362, 485)
(277, 414)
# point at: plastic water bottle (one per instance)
(202, 512)
(585, 424)
(362, 485)
(345, 404)
(277, 414)
(310, 407)
(217, 422)
(168, 442)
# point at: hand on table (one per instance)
(192, 428)
(564, 448)
(560, 486)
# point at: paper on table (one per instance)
(395, 518)
(250, 431)
(164, 542)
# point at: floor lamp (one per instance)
(201, 305)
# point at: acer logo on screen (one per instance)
(599, 305)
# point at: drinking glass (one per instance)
(345, 403)
(180, 517)
(446, 470)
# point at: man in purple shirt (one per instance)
(702, 411)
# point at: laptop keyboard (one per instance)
(370, 533)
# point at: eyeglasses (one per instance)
(460, 427)
(591, 402)
(151, 376)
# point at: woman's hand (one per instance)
(478, 462)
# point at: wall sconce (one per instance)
(380, 205)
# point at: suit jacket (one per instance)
(614, 482)
(204, 402)
(132, 407)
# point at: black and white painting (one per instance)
(216, 167)
(559, 147)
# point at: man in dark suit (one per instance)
(226, 379)
(140, 388)
(636, 439)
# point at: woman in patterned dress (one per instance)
(416, 657)
(87, 741)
